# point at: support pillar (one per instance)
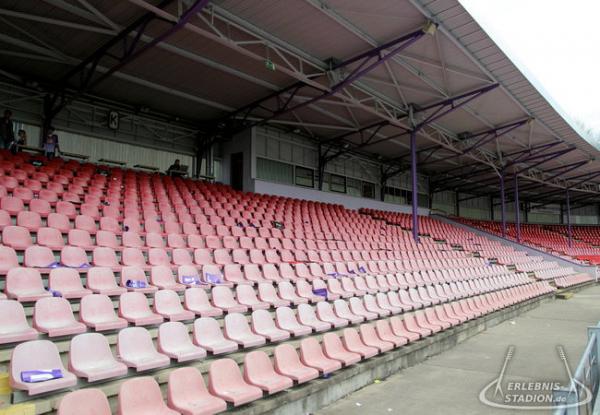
(415, 195)
(457, 203)
(569, 229)
(562, 214)
(502, 204)
(492, 208)
(517, 210)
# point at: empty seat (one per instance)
(287, 362)
(12, 205)
(196, 300)
(353, 342)
(101, 280)
(325, 313)
(30, 357)
(368, 335)
(136, 349)
(226, 382)
(25, 284)
(236, 328)
(29, 220)
(384, 332)
(263, 324)
(133, 307)
(97, 311)
(307, 316)
(107, 239)
(174, 341)
(208, 335)
(50, 237)
(334, 349)
(16, 237)
(142, 396)
(168, 305)
(162, 277)
(67, 282)
(268, 294)
(53, 315)
(133, 257)
(80, 238)
(259, 371)
(90, 357)
(74, 257)
(8, 259)
(286, 320)
(188, 394)
(89, 401)
(247, 296)
(59, 222)
(312, 355)
(14, 326)
(222, 297)
(341, 310)
(288, 293)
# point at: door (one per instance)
(237, 171)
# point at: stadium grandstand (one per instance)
(270, 206)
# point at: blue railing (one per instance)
(580, 397)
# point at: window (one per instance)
(305, 177)
(368, 190)
(274, 171)
(354, 187)
(337, 183)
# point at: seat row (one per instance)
(570, 280)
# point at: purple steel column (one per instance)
(517, 213)
(503, 204)
(569, 230)
(413, 174)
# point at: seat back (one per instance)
(89, 350)
(23, 280)
(134, 304)
(141, 395)
(84, 402)
(207, 329)
(96, 308)
(186, 384)
(135, 341)
(64, 279)
(34, 355)
(13, 317)
(52, 311)
(167, 301)
(173, 335)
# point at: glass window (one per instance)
(368, 190)
(305, 177)
(274, 171)
(337, 183)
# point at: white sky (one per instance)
(556, 43)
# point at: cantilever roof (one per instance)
(216, 64)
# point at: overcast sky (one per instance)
(557, 42)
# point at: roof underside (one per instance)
(215, 65)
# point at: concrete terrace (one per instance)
(449, 383)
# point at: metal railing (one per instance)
(580, 397)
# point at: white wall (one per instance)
(349, 202)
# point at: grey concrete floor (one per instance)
(450, 382)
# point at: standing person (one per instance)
(21, 140)
(7, 133)
(51, 144)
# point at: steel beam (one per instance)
(415, 195)
(569, 230)
(517, 210)
(502, 203)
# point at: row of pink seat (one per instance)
(570, 280)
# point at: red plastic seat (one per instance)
(29, 220)
(208, 335)
(51, 238)
(399, 329)
(287, 362)
(16, 237)
(222, 297)
(133, 307)
(307, 317)
(268, 294)
(142, 396)
(53, 315)
(85, 223)
(101, 280)
(59, 221)
(259, 371)
(286, 320)
(89, 401)
(247, 296)
(13, 325)
(67, 282)
(341, 310)
(226, 382)
(12, 205)
(312, 355)
(263, 324)
(136, 349)
(288, 293)
(35, 355)
(174, 341)
(90, 357)
(133, 257)
(8, 259)
(162, 277)
(97, 311)
(334, 349)
(74, 257)
(369, 337)
(236, 328)
(107, 239)
(384, 332)
(25, 284)
(168, 305)
(353, 342)
(187, 393)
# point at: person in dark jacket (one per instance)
(7, 133)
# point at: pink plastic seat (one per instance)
(222, 297)
(13, 325)
(305, 290)
(12, 205)
(307, 317)
(133, 257)
(369, 337)
(136, 277)
(399, 329)
(59, 221)
(288, 293)
(158, 256)
(268, 294)
(133, 307)
(67, 282)
(107, 239)
(286, 320)
(236, 328)
(287, 363)
(187, 393)
(353, 342)
(154, 240)
(259, 371)
(53, 315)
(311, 354)
(174, 341)
(50, 237)
(36, 355)
(89, 401)
(162, 277)
(131, 239)
(384, 332)
(168, 305)
(110, 225)
(247, 296)
(101, 280)
(142, 396)
(41, 206)
(196, 300)
(226, 382)
(263, 324)
(8, 259)
(74, 257)
(208, 335)
(341, 310)
(97, 311)
(29, 220)
(136, 349)
(16, 237)
(90, 357)
(357, 307)
(334, 349)
(25, 284)
(80, 238)
(39, 257)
